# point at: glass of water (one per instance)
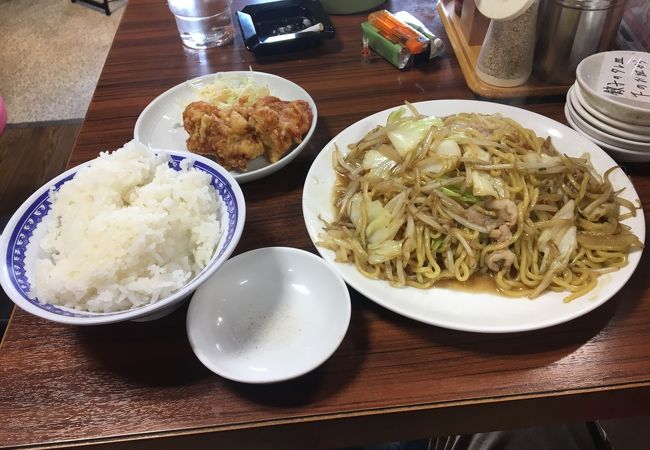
(202, 23)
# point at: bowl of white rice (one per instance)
(127, 236)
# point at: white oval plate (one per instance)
(477, 312)
(160, 125)
(619, 153)
(268, 315)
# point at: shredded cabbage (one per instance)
(230, 90)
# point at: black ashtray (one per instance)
(278, 26)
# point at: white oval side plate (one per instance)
(160, 125)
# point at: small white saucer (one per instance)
(603, 136)
(577, 97)
(572, 101)
(268, 315)
(595, 70)
(618, 153)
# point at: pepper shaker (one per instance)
(506, 56)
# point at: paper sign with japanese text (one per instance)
(626, 76)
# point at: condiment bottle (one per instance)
(506, 56)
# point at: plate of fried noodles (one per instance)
(474, 216)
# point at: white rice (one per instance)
(126, 231)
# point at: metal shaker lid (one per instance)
(502, 9)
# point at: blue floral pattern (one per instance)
(40, 207)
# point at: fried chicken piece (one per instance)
(241, 133)
(280, 124)
(224, 133)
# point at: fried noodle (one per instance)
(422, 200)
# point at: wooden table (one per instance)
(138, 385)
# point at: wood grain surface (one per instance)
(138, 385)
(30, 156)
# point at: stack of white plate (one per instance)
(601, 104)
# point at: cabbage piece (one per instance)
(485, 185)
(395, 205)
(381, 224)
(556, 233)
(566, 246)
(395, 116)
(356, 203)
(378, 164)
(407, 136)
(434, 166)
(557, 242)
(375, 210)
(473, 151)
(450, 148)
(384, 251)
(379, 219)
(540, 161)
(449, 152)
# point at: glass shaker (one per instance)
(506, 56)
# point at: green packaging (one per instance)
(397, 55)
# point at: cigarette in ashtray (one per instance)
(287, 33)
(290, 30)
(318, 27)
(314, 28)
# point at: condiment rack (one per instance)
(466, 33)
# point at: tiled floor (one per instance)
(66, 45)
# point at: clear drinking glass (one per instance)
(202, 23)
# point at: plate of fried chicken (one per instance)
(251, 123)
